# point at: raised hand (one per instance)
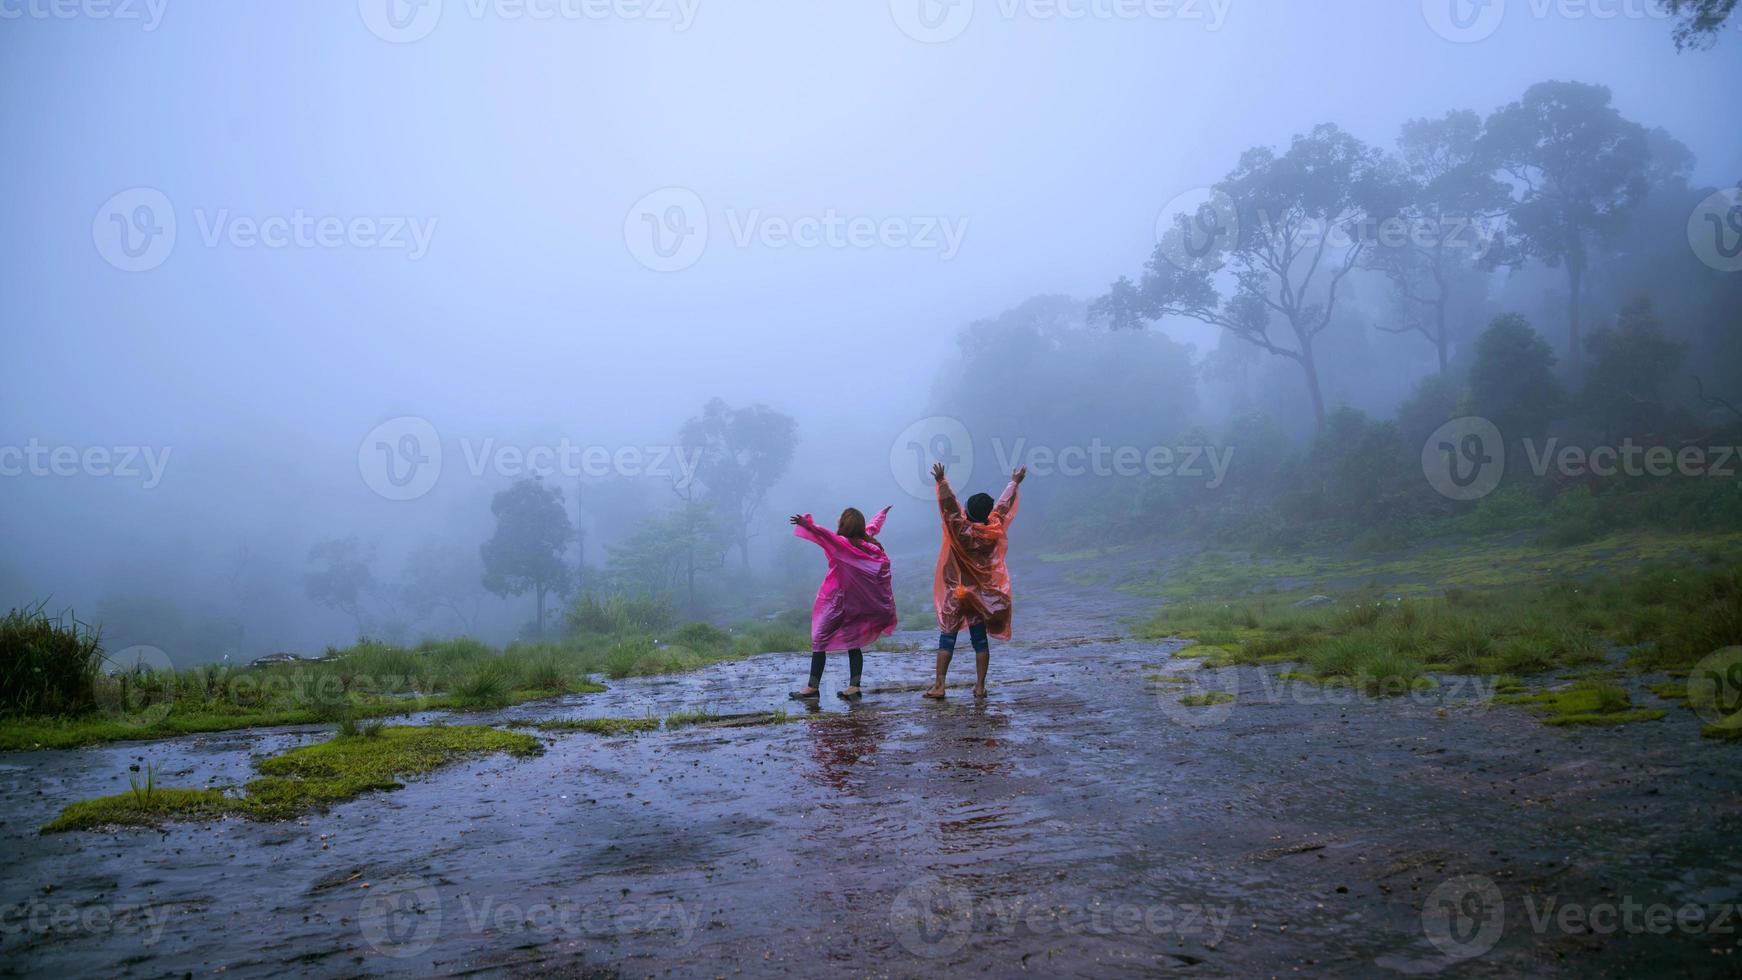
(796, 519)
(1020, 475)
(937, 472)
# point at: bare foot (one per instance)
(979, 692)
(935, 693)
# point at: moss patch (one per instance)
(1206, 699)
(595, 726)
(303, 779)
(1585, 702)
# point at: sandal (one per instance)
(855, 696)
(802, 696)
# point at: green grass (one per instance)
(683, 719)
(309, 778)
(596, 726)
(1667, 610)
(1587, 701)
(48, 665)
(1205, 699)
(374, 680)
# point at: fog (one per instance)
(456, 229)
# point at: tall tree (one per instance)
(1579, 169)
(1288, 226)
(741, 453)
(665, 553)
(527, 551)
(1698, 21)
(1512, 382)
(443, 576)
(1631, 366)
(1446, 202)
(343, 576)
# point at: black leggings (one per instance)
(855, 666)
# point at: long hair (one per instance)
(852, 527)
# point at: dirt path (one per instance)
(1080, 821)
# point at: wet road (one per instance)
(1078, 822)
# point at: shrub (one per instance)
(590, 615)
(47, 666)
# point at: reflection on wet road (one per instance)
(1079, 821)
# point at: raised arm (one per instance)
(947, 506)
(1006, 506)
(874, 526)
(804, 527)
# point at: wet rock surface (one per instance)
(1079, 821)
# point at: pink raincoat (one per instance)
(856, 603)
(972, 584)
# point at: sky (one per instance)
(499, 182)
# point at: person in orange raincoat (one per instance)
(856, 603)
(972, 585)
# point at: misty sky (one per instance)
(520, 146)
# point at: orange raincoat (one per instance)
(972, 585)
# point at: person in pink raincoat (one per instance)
(972, 584)
(856, 603)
